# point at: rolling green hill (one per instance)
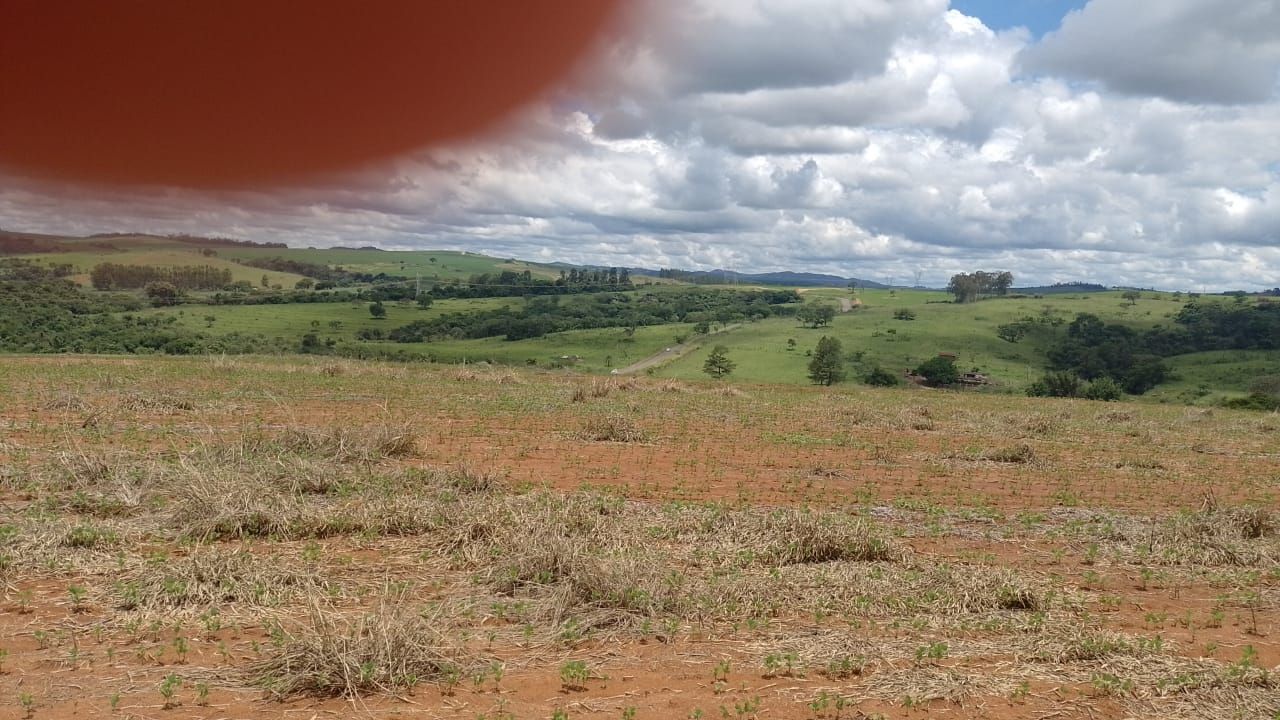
(879, 328)
(431, 265)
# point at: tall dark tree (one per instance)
(718, 364)
(827, 365)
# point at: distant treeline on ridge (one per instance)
(116, 276)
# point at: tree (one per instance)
(377, 310)
(1132, 296)
(161, 293)
(939, 371)
(718, 363)
(424, 301)
(304, 284)
(827, 364)
(970, 287)
(816, 315)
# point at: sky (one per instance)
(1126, 142)
(1038, 16)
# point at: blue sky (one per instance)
(1039, 16)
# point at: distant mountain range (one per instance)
(796, 279)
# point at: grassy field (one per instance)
(761, 349)
(593, 351)
(259, 537)
(1208, 377)
(163, 256)
(969, 331)
(291, 322)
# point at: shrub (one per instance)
(1104, 389)
(1056, 384)
(879, 377)
(939, 371)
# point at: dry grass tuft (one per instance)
(66, 401)
(209, 577)
(486, 375)
(597, 389)
(213, 505)
(916, 418)
(612, 428)
(986, 589)
(338, 444)
(1021, 453)
(332, 370)
(390, 649)
(1077, 645)
(153, 404)
(790, 536)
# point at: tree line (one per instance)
(328, 276)
(510, 283)
(117, 276)
(540, 316)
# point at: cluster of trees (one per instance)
(41, 312)
(544, 315)
(509, 283)
(816, 315)
(19, 269)
(117, 276)
(328, 277)
(1092, 350)
(971, 287)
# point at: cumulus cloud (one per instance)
(1183, 50)
(873, 138)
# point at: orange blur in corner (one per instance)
(222, 93)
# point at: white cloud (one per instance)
(1183, 50)
(863, 137)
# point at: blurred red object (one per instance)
(211, 93)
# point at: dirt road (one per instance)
(668, 354)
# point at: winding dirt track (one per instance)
(674, 352)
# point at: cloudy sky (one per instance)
(1131, 142)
